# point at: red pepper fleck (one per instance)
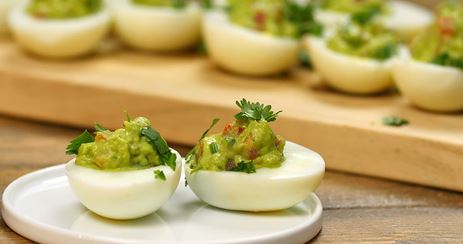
(259, 18)
(446, 26)
(240, 130)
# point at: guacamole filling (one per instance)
(364, 37)
(63, 9)
(442, 43)
(244, 146)
(277, 17)
(353, 6)
(172, 3)
(135, 146)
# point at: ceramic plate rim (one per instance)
(19, 221)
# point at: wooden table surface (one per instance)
(356, 208)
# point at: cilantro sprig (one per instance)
(160, 145)
(74, 145)
(159, 174)
(255, 111)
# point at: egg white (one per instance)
(430, 86)
(157, 28)
(125, 194)
(407, 19)
(5, 6)
(267, 189)
(58, 38)
(246, 51)
(351, 74)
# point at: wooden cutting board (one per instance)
(182, 93)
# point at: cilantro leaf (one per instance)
(246, 167)
(99, 128)
(255, 111)
(159, 174)
(74, 145)
(160, 145)
(302, 17)
(394, 121)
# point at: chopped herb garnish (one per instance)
(159, 174)
(386, 51)
(192, 151)
(160, 145)
(99, 128)
(127, 116)
(365, 15)
(246, 167)
(394, 121)
(230, 140)
(446, 59)
(255, 111)
(302, 17)
(214, 122)
(74, 145)
(214, 147)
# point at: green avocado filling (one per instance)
(274, 17)
(172, 3)
(363, 37)
(442, 43)
(243, 146)
(63, 9)
(135, 146)
(353, 6)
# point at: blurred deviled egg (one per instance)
(247, 167)
(159, 25)
(357, 57)
(123, 174)
(405, 18)
(258, 38)
(60, 29)
(5, 6)
(432, 78)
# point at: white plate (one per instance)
(42, 207)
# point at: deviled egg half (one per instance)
(123, 174)
(405, 18)
(357, 57)
(60, 29)
(257, 38)
(432, 78)
(247, 167)
(5, 6)
(164, 25)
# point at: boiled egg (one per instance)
(58, 38)
(246, 51)
(405, 18)
(351, 74)
(157, 28)
(430, 86)
(266, 190)
(5, 6)
(123, 194)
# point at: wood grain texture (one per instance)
(356, 209)
(182, 93)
